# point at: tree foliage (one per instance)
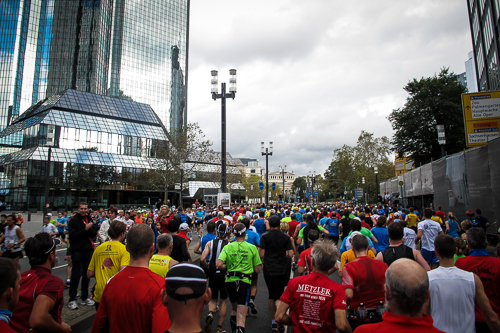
(351, 164)
(432, 101)
(175, 159)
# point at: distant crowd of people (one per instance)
(401, 269)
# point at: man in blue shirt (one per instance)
(205, 239)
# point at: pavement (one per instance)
(82, 318)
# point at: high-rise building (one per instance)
(131, 49)
(484, 19)
(470, 73)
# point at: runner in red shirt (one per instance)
(41, 293)
(304, 264)
(132, 300)
(363, 280)
(441, 214)
(10, 279)
(316, 303)
(487, 268)
(407, 290)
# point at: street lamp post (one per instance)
(283, 175)
(312, 180)
(223, 96)
(375, 169)
(267, 152)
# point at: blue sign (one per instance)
(310, 194)
(261, 185)
(316, 193)
(274, 186)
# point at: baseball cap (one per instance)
(50, 214)
(183, 227)
(469, 212)
(396, 214)
(185, 275)
(36, 253)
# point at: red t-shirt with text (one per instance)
(312, 299)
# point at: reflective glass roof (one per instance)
(78, 109)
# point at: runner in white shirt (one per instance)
(428, 230)
(48, 227)
(409, 235)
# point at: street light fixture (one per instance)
(283, 175)
(215, 95)
(267, 152)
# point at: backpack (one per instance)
(184, 218)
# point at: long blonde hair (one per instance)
(284, 227)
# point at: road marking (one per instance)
(60, 266)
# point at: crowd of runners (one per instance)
(401, 269)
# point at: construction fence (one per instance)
(459, 182)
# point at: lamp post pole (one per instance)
(375, 169)
(223, 96)
(283, 175)
(267, 152)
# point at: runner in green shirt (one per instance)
(240, 259)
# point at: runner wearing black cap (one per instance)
(216, 278)
(185, 295)
(240, 259)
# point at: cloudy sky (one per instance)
(313, 74)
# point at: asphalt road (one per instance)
(261, 322)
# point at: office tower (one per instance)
(131, 49)
(470, 73)
(484, 16)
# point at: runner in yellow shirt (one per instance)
(108, 259)
(161, 262)
(412, 220)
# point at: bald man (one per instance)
(406, 292)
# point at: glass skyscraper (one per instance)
(131, 49)
(484, 20)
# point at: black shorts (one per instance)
(200, 222)
(255, 277)
(61, 234)
(334, 239)
(218, 286)
(238, 292)
(276, 285)
(13, 255)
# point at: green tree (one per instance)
(432, 101)
(350, 164)
(179, 159)
(299, 183)
(251, 185)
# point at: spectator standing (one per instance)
(487, 268)
(108, 259)
(81, 233)
(41, 293)
(132, 299)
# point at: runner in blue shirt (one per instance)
(260, 224)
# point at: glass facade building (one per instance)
(484, 20)
(135, 50)
(78, 146)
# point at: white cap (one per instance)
(49, 214)
(183, 227)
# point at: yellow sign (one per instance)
(481, 117)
